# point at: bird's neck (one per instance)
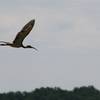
(24, 46)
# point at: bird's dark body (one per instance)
(21, 36)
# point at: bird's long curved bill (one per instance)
(35, 48)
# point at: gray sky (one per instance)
(67, 35)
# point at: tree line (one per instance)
(81, 93)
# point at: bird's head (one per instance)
(29, 46)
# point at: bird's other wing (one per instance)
(24, 32)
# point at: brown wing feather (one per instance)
(24, 32)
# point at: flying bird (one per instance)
(18, 41)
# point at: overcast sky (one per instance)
(67, 35)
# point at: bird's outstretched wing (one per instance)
(24, 32)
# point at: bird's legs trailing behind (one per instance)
(3, 43)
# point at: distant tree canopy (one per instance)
(82, 93)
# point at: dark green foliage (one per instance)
(82, 93)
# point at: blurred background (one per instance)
(67, 35)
